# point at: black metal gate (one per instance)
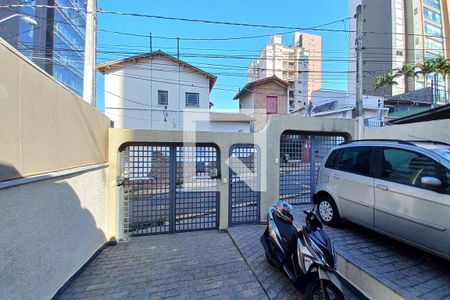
(169, 188)
(244, 204)
(300, 157)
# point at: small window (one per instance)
(356, 160)
(331, 161)
(399, 53)
(192, 99)
(272, 104)
(406, 167)
(163, 97)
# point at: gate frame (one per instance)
(172, 169)
(230, 172)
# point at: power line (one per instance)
(123, 13)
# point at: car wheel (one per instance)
(328, 211)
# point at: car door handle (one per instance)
(382, 187)
(336, 176)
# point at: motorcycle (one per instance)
(305, 254)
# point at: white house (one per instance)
(158, 91)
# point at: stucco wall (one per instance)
(433, 130)
(131, 94)
(49, 229)
(53, 223)
(43, 125)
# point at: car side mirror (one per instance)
(431, 181)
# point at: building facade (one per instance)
(264, 97)
(299, 64)
(156, 91)
(56, 44)
(398, 32)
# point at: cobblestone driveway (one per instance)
(192, 265)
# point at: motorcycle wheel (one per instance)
(313, 291)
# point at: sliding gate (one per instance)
(170, 188)
(300, 157)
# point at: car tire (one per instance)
(328, 211)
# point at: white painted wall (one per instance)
(222, 126)
(247, 104)
(131, 97)
(49, 229)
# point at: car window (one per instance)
(446, 181)
(406, 167)
(331, 161)
(444, 152)
(356, 160)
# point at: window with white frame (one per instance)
(163, 97)
(192, 99)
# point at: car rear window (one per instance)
(356, 160)
(331, 161)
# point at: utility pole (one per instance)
(359, 73)
(151, 42)
(90, 52)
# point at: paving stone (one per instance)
(192, 265)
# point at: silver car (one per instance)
(399, 188)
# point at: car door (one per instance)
(407, 209)
(353, 184)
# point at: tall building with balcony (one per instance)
(395, 33)
(299, 64)
(57, 43)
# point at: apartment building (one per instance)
(56, 44)
(398, 32)
(298, 63)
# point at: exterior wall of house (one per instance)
(131, 97)
(431, 130)
(55, 218)
(50, 228)
(44, 127)
(261, 92)
(223, 126)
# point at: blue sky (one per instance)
(231, 73)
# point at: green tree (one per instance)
(442, 67)
(382, 81)
(426, 68)
(408, 70)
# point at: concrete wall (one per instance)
(43, 125)
(49, 229)
(432, 130)
(51, 223)
(377, 58)
(268, 140)
(131, 95)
